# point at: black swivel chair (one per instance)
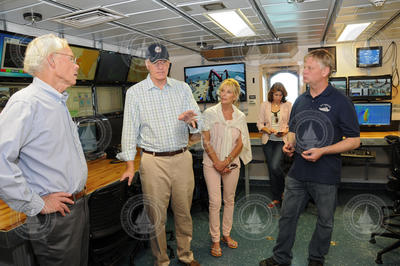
(391, 220)
(108, 241)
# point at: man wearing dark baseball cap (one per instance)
(157, 52)
(158, 113)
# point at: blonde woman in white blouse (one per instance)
(225, 138)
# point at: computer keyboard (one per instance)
(359, 153)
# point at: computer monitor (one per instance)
(80, 101)
(112, 68)
(87, 136)
(369, 56)
(109, 99)
(205, 80)
(137, 70)
(116, 123)
(370, 87)
(340, 83)
(374, 114)
(12, 54)
(87, 61)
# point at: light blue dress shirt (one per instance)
(151, 117)
(40, 148)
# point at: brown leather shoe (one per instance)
(192, 263)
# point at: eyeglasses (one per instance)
(71, 57)
(276, 116)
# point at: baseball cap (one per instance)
(157, 51)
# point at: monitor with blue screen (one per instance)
(369, 56)
(374, 113)
(12, 53)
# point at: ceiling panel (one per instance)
(183, 22)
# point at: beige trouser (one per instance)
(213, 180)
(164, 178)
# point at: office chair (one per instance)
(108, 242)
(200, 193)
(391, 220)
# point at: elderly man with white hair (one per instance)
(42, 166)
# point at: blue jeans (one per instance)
(274, 155)
(297, 194)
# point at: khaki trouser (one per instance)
(164, 178)
(213, 180)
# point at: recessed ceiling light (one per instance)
(224, 19)
(352, 31)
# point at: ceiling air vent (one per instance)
(89, 17)
(214, 6)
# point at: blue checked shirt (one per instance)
(151, 117)
(40, 148)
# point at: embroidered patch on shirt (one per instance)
(324, 107)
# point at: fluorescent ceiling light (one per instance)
(232, 21)
(352, 31)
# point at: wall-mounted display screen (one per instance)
(12, 54)
(87, 136)
(112, 67)
(374, 114)
(370, 87)
(109, 100)
(137, 70)
(87, 61)
(79, 101)
(369, 56)
(340, 83)
(205, 80)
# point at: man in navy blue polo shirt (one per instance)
(319, 120)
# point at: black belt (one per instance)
(165, 153)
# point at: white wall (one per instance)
(346, 66)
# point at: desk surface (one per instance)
(101, 173)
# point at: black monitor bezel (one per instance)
(377, 127)
(359, 49)
(96, 108)
(369, 98)
(86, 81)
(16, 79)
(242, 98)
(99, 65)
(341, 79)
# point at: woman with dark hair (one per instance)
(273, 124)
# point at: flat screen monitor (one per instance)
(87, 61)
(340, 83)
(205, 80)
(112, 68)
(369, 56)
(80, 101)
(12, 54)
(374, 113)
(109, 99)
(137, 70)
(116, 123)
(87, 136)
(370, 87)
